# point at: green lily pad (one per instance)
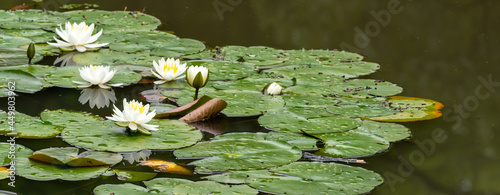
(38, 71)
(16, 56)
(356, 88)
(108, 57)
(24, 82)
(223, 70)
(8, 16)
(17, 150)
(11, 42)
(390, 131)
(120, 189)
(239, 154)
(164, 185)
(256, 82)
(210, 187)
(242, 135)
(115, 20)
(64, 76)
(31, 127)
(87, 131)
(298, 140)
(240, 103)
(69, 156)
(42, 171)
(236, 177)
(259, 55)
(43, 49)
(351, 144)
(316, 178)
(289, 122)
(4, 92)
(135, 41)
(314, 56)
(35, 19)
(178, 47)
(36, 35)
(341, 69)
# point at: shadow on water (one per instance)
(436, 50)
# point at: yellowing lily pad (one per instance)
(411, 109)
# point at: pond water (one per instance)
(443, 51)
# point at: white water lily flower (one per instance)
(135, 116)
(97, 97)
(194, 80)
(96, 75)
(168, 70)
(274, 89)
(77, 36)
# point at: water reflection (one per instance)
(98, 97)
(136, 156)
(66, 60)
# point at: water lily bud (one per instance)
(274, 89)
(31, 51)
(197, 76)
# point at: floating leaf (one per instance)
(298, 140)
(69, 156)
(24, 82)
(4, 173)
(258, 136)
(89, 131)
(178, 47)
(256, 82)
(259, 55)
(12, 150)
(411, 109)
(12, 42)
(240, 103)
(390, 131)
(351, 144)
(239, 154)
(64, 76)
(36, 35)
(35, 19)
(108, 57)
(210, 187)
(31, 127)
(185, 109)
(135, 41)
(316, 178)
(223, 70)
(205, 111)
(166, 166)
(120, 189)
(289, 122)
(164, 185)
(236, 177)
(42, 171)
(115, 20)
(43, 49)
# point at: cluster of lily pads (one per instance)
(312, 101)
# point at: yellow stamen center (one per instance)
(137, 106)
(169, 67)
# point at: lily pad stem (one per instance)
(196, 94)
